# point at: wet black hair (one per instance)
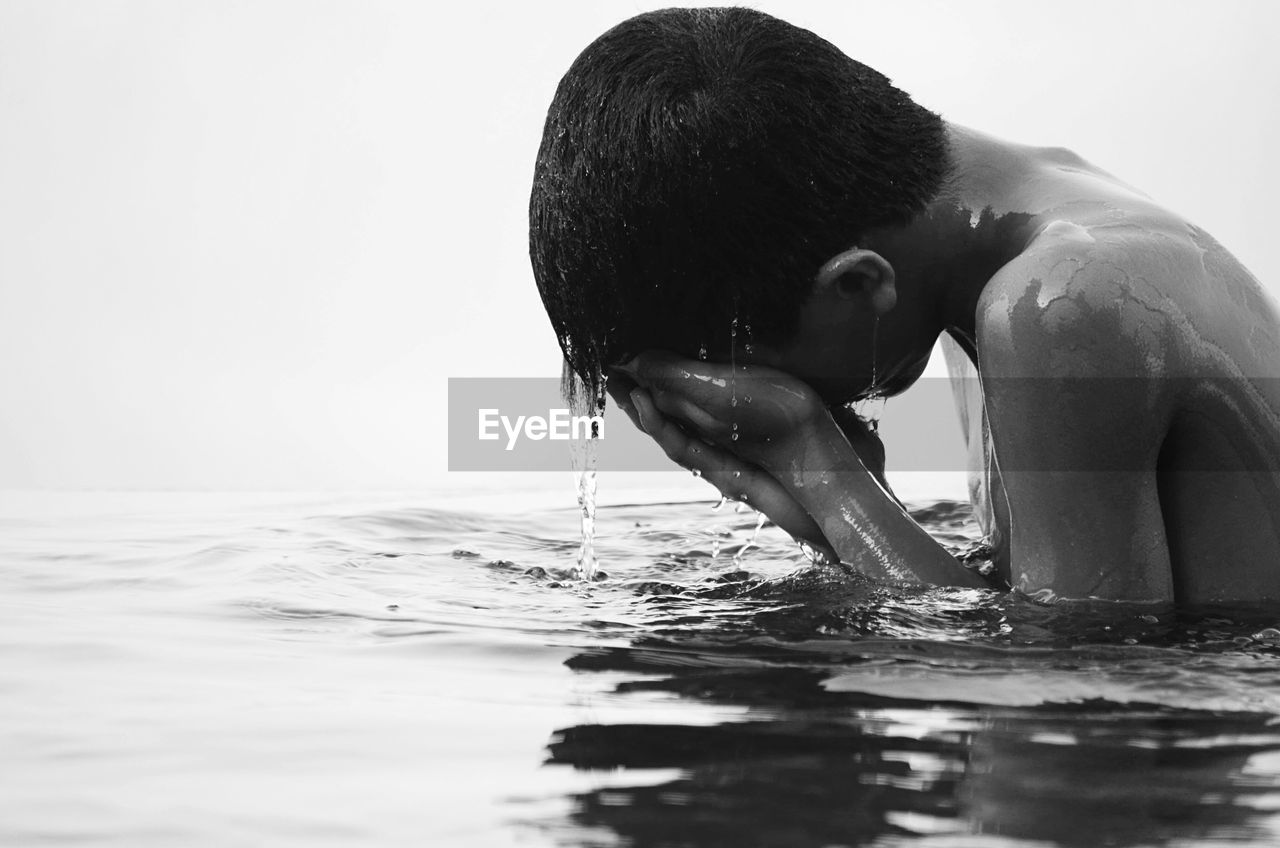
(699, 165)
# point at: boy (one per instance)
(719, 182)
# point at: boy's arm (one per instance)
(861, 519)
(786, 431)
(734, 478)
(1078, 412)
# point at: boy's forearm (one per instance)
(867, 528)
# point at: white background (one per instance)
(243, 244)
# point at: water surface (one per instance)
(232, 670)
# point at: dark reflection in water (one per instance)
(937, 718)
(836, 768)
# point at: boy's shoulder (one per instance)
(1114, 296)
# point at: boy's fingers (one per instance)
(714, 464)
(647, 416)
(765, 494)
(678, 406)
(663, 369)
(678, 445)
(619, 387)
(620, 390)
(734, 478)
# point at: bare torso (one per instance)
(1171, 349)
(1125, 422)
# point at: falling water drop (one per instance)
(869, 410)
(722, 502)
(751, 543)
(814, 555)
(583, 456)
(733, 367)
(733, 358)
(587, 561)
(875, 351)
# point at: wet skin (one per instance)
(1124, 419)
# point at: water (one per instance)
(584, 455)
(428, 670)
(733, 375)
(586, 485)
(869, 409)
(751, 542)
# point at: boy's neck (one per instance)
(946, 256)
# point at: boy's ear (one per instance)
(862, 276)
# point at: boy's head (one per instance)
(699, 165)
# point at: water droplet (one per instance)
(715, 547)
(751, 543)
(702, 352)
(747, 398)
(723, 501)
(814, 555)
(733, 365)
(737, 474)
(875, 352)
(869, 409)
(587, 561)
(697, 472)
(583, 455)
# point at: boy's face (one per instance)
(821, 357)
(845, 355)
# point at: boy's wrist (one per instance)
(815, 444)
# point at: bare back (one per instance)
(1173, 347)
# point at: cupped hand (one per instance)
(754, 411)
(751, 427)
(735, 478)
